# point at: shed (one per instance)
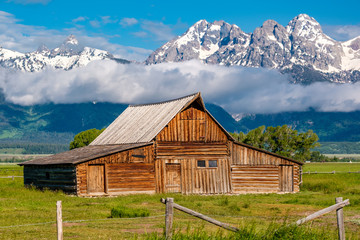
(171, 146)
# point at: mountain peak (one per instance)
(42, 48)
(71, 39)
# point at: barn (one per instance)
(172, 146)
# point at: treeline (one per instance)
(339, 148)
(285, 141)
(35, 148)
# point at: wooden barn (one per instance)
(172, 146)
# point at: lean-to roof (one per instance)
(141, 123)
(79, 155)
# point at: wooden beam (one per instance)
(203, 217)
(169, 213)
(340, 219)
(324, 211)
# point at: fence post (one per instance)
(59, 224)
(340, 219)
(169, 213)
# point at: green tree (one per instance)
(84, 138)
(282, 140)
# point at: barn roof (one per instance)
(141, 123)
(79, 155)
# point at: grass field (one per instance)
(31, 214)
(332, 166)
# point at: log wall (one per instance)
(194, 179)
(192, 125)
(54, 177)
(257, 163)
(130, 171)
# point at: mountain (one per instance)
(58, 123)
(70, 54)
(300, 49)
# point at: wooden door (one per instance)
(286, 178)
(96, 179)
(173, 177)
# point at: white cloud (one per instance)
(27, 38)
(342, 32)
(79, 19)
(125, 22)
(26, 2)
(159, 30)
(237, 89)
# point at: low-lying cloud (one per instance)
(237, 89)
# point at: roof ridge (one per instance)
(167, 101)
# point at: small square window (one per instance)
(201, 163)
(212, 163)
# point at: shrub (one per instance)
(124, 212)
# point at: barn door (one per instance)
(96, 179)
(286, 178)
(173, 177)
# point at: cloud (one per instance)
(159, 30)
(342, 32)
(237, 89)
(79, 19)
(125, 22)
(27, 38)
(26, 2)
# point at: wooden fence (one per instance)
(170, 205)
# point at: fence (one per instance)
(170, 205)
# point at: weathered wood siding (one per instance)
(194, 179)
(258, 163)
(53, 177)
(125, 172)
(254, 179)
(192, 125)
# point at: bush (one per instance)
(124, 212)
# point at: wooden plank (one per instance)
(201, 216)
(323, 211)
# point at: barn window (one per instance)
(212, 163)
(201, 163)
(47, 174)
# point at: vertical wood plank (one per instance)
(59, 223)
(169, 213)
(340, 220)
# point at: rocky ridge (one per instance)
(70, 54)
(300, 49)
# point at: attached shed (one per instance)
(172, 146)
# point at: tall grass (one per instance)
(249, 231)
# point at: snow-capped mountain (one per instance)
(69, 55)
(300, 49)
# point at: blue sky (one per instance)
(132, 29)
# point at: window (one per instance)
(201, 163)
(207, 163)
(47, 174)
(212, 163)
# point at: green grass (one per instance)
(329, 167)
(259, 216)
(125, 212)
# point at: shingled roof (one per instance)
(141, 123)
(83, 154)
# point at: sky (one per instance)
(133, 29)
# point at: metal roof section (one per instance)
(141, 123)
(83, 154)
